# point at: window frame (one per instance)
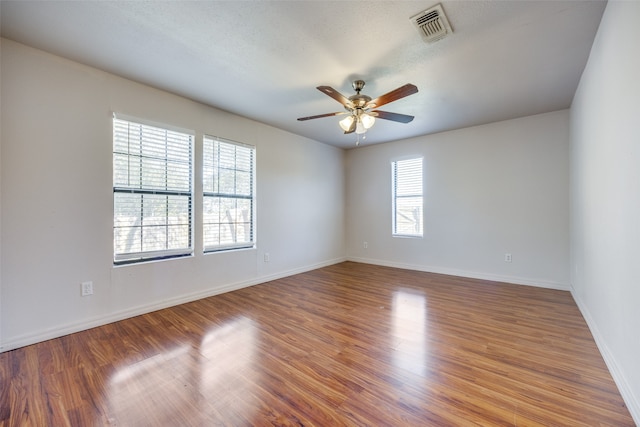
(187, 179)
(395, 197)
(235, 196)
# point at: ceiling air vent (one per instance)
(432, 24)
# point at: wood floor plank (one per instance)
(346, 345)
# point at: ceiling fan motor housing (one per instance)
(358, 101)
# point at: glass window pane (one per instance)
(407, 197)
(178, 236)
(154, 238)
(228, 170)
(127, 239)
(227, 181)
(151, 166)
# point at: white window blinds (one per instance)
(152, 192)
(228, 194)
(407, 197)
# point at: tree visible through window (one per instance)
(228, 196)
(152, 192)
(407, 197)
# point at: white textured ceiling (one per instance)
(263, 59)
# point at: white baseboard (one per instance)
(632, 401)
(57, 332)
(464, 273)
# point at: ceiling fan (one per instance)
(360, 108)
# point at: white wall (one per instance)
(489, 190)
(0, 201)
(605, 195)
(56, 187)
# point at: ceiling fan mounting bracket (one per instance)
(357, 85)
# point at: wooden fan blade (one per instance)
(402, 118)
(394, 95)
(301, 119)
(328, 90)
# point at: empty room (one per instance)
(320, 213)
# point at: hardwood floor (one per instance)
(350, 344)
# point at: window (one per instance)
(228, 195)
(407, 197)
(152, 192)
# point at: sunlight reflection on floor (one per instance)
(204, 378)
(409, 332)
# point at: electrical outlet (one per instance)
(507, 257)
(87, 288)
(365, 245)
(266, 257)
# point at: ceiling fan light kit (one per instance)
(363, 122)
(360, 108)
